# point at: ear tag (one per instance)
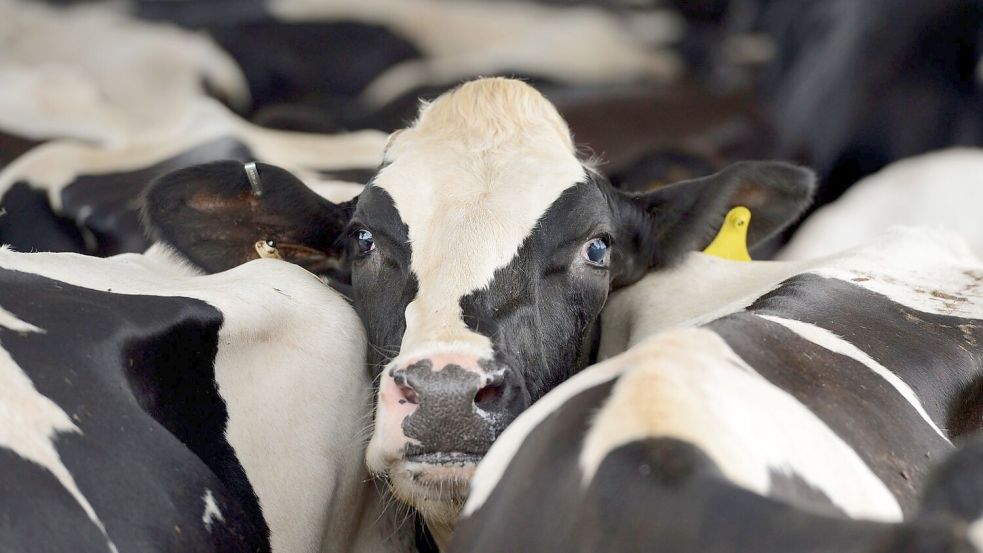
(252, 173)
(267, 249)
(731, 241)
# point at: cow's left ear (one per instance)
(222, 214)
(656, 229)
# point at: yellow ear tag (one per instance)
(731, 241)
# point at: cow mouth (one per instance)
(441, 475)
(445, 458)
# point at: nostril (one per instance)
(409, 395)
(488, 395)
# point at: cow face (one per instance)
(480, 257)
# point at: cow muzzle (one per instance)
(437, 416)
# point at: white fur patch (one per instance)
(30, 422)
(941, 189)
(211, 512)
(975, 533)
(9, 320)
(689, 385)
(836, 344)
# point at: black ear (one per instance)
(213, 215)
(656, 229)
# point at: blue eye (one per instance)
(365, 242)
(596, 252)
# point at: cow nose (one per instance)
(459, 403)
(454, 385)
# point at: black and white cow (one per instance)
(588, 45)
(377, 58)
(70, 196)
(91, 73)
(758, 407)
(145, 407)
(481, 255)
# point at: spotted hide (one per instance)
(144, 407)
(759, 407)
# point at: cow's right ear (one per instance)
(218, 216)
(656, 229)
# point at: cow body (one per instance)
(941, 189)
(470, 47)
(149, 408)
(828, 388)
(91, 73)
(66, 196)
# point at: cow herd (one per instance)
(257, 296)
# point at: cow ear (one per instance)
(218, 217)
(656, 229)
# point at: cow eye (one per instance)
(364, 241)
(596, 252)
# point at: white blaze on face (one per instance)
(470, 180)
(30, 422)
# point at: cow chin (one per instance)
(435, 484)
(441, 477)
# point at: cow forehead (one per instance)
(470, 183)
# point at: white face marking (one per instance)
(30, 422)
(470, 180)
(290, 368)
(211, 512)
(836, 344)
(689, 385)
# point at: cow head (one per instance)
(480, 257)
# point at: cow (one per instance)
(481, 255)
(147, 407)
(763, 406)
(470, 47)
(85, 198)
(400, 59)
(941, 189)
(290, 88)
(93, 74)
